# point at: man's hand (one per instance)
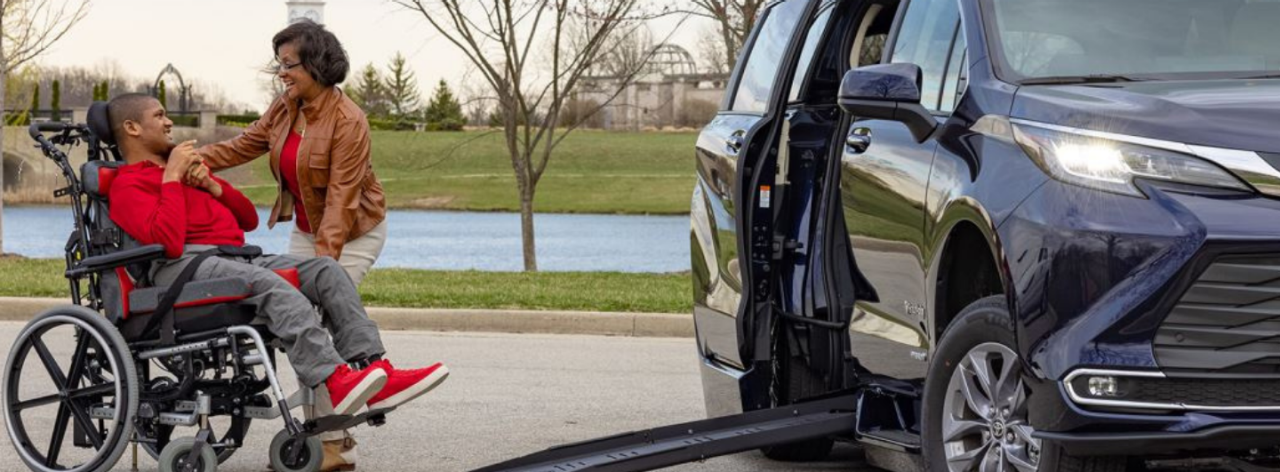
(202, 178)
(181, 159)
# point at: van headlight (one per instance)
(1111, 165)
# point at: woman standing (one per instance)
(318, 140)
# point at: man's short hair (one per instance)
(318, 49)
(127, 107)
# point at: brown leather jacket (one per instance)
(341, 195)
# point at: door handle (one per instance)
(735, 141)
(859, 140)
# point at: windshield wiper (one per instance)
(1080, 79)
(1270, 75)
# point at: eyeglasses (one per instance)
(281, 67)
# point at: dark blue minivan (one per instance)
(1032, 235)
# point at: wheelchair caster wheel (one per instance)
(284, 447)
(173, 458)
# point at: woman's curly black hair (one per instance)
(318, 49)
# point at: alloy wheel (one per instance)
(984, 417)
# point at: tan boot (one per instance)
(336, 457)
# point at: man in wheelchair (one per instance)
(166, 196)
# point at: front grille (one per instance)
(1205, 392)
(1228, 321)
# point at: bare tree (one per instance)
(711, 49)
(734, 19)
(533, 54)
(27, 29)
(626, 54)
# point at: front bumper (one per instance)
(1229, 437)
(1118, 283)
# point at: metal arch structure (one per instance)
(664, 60)
(670, 59)
(184, 92)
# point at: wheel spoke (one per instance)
(79, 359)
(965, 462)
(1002, 397)
(59, 430)
(991, 460)
(1018, 463)
(957, 428)
(104, 389)
(82, 419)
(981, 368)
(35, 402)
(1024, 433)
(973, 395)
(50, 364)
(1018, 400)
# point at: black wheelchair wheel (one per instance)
(309, 458)
(70, 406)
(175, 455)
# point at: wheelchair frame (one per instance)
(144, 408)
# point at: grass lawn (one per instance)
(590, 172)
(587, 291)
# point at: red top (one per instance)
(174, 214)
(289, 173)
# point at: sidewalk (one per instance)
(653, 325)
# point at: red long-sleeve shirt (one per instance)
(173, 214)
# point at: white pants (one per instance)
(358, 256)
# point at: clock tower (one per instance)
(306, 9)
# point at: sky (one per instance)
(226, 42)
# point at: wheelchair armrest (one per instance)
(116, 259)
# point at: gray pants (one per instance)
(290, 315)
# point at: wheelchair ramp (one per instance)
(676, 444)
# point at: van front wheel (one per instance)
(976, 403)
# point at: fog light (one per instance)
(1103, 387)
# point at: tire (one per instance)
(981, 339)
(312, 455)
(174, 456)
(795, 380)
(162, 433)
(106, 370)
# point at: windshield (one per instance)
(1134, 39)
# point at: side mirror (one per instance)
(888, 92)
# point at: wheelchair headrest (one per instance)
(96, 177)
(100, 123)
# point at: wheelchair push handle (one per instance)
(38, 130)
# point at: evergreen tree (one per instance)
(161, 96)
(97, 93)
(369, 93)
(401, 89)
(55, 102)
(35, 104)
(444, 113)
(106, 94)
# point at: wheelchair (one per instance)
(128, 362)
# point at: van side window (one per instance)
(764, 60)
(810, 49)
(925, 39)
(957, 75)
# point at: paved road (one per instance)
(514, 394)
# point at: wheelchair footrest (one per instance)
(340, 422)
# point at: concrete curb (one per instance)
(651, 325)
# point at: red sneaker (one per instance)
(405, 385)
(349, 389)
